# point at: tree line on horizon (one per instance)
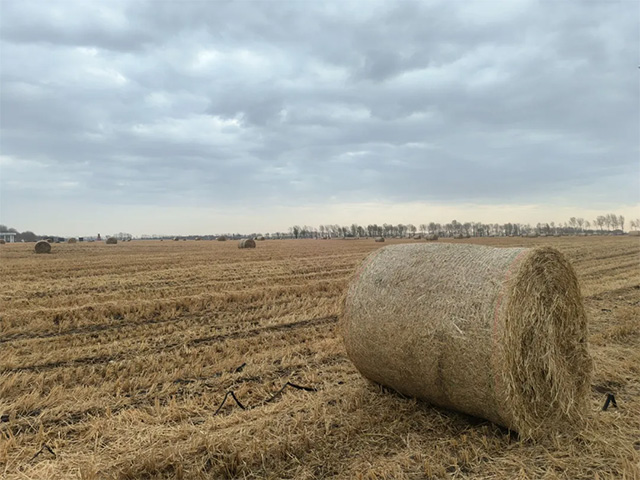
(609, 223)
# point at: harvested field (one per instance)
(118, 360)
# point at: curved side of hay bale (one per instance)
(247, 243)
(42, 246)
(222, 238)
(379, 239)
(260, 238)
(111, 241)
(176, 239)
(498, 333)
(72, 240)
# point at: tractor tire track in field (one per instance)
(93, 360)
(24, 423)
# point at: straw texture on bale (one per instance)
(247, 243)
(2, 241)
(43, 247)
(222, 238)
(71, 240)
(380, 239)
(498, 333)
(112, 241)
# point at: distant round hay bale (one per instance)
(635, 233)
(112, 241)
(197, 239)
(498, 333)
(247, 243)
(431, 238)
(176, 239)
(379, 239)
(71, 240)
(2, 241)
(43, 246)
(260, 238)
(50, 240)
(222, 238)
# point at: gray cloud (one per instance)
(230, 102)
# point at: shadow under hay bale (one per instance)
(247, 243)
(379, 239)
(42, 246)
(111, 241)
(498, 333)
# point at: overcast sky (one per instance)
(204, 117)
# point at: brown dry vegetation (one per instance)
(117, 359)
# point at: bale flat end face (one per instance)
(544, 345)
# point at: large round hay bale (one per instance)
(247, 243)
(71, 240)
(43, 246)
(2, 241)
(379, 239)
(176, 239)
(222, 238)
(498, 333)
(260, 238)
(112, 241)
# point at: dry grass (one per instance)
(118, 359)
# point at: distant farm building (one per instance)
(8, 237)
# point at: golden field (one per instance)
(117, 357)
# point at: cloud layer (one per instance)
(229, 104)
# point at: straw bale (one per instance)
(260, 238)
(111, 241)
(379, 239)
(247, 243)
(498, 333)
(176, 239)
(43, 247)
(222, 238)
(72, 240)
(2, 241)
